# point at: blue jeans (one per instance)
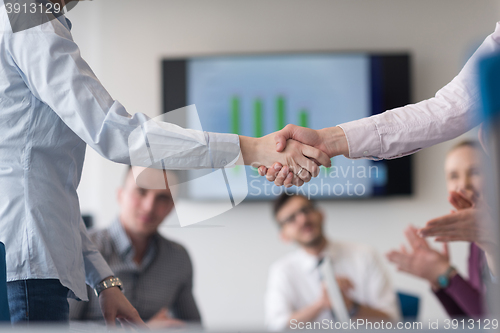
(38, 300)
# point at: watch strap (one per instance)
(444, 279)
(108, 283)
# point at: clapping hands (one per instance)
(422, 260)
(470, 222)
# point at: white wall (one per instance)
(125, 40)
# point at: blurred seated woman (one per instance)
(460, 297)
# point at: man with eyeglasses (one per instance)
(295, 292)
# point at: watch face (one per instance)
(443, 281)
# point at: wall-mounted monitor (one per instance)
(255, 95)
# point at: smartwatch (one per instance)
(108, 283)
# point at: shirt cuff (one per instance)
(363, 139)
(96, 269)
(224, 149)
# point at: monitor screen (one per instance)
(255, 95)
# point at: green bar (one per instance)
(235, 115)
(258, 122)
(304, 118)
(280, 113)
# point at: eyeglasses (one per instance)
(306, 210)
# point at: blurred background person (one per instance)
(295, 291)
(460, 297)
(157, 274)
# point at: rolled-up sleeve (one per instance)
(405, 130)
(96, 268)
(56, 74)
(465, 296)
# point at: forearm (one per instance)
(466, 296)
(449, 304)
(64, 82)
(405, 130)
(334, 141)
(249, 148)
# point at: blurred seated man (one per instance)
(295, 293)
(157, 274)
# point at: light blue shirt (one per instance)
(52, 106)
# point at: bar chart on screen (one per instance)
(280, 120)
(277, 107)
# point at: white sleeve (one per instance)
(50, 64)
(405, 130)
(278, 307)
(96, 268)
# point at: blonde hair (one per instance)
(467, 143)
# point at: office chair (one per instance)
(409, 306)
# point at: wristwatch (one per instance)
(444, 279)
(108, 283)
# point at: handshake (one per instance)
(292, 156)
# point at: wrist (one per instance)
(442, 280)
(248, 149)
(335, 141)
(107, 283)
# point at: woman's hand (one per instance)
(331, 140)
(423, 261)
(463, 199)
(471, 222)
(115, 306)
(300, 159)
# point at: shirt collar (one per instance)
(120, 238)
(310, 262)
(124, 245)
(59, 15)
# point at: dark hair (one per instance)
(283, 199)
(129, 169)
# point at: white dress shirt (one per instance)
(295, 283)
(405, 130)
(51, 107)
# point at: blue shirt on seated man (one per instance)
(157, 274)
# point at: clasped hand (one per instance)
(294, 148)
